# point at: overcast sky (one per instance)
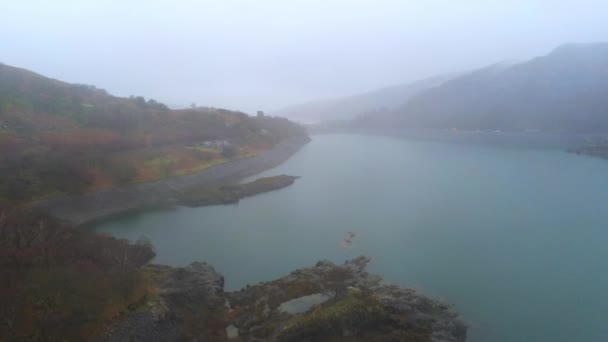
(260, 54)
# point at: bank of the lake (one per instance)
(514, 237)
(82, 209)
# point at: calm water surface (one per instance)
(517, 239)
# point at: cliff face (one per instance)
(326, 302)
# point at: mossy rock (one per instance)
(358, 310)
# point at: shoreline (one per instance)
(84, 209)
(539, 139)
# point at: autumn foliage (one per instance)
(57, 137)
(60, 283)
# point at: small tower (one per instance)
(260, 114)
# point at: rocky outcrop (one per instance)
(335, 302)
(82, 209)
(189, 303)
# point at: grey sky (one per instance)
(266, 54)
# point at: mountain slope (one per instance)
(57, 137)
(564, 90)
(356, 105)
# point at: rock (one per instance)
(197, 282)
(324, 264)
(304, 305)
(358, 264)
(368, 310)
(232, 332)
(142, 326)
(184, 293)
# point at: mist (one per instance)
(247, 55)
(227, 170)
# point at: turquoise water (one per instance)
(517, 239)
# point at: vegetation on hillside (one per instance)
(57, 137)
(562, 91)
(63, 284)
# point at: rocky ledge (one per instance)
(327, 302)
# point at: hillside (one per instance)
(58, 283)
(57, 137)
(353, 106)
(562, 91)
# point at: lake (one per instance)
(515, 238)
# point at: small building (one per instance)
(260, 114)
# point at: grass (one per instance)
(200, 167)
(361, 314)
(357, 310)
(152, 164)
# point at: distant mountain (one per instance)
(353, 106)
(566, 90)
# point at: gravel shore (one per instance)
(83, 209)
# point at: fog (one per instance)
(251, 55)
(410, 169)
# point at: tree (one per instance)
(140, 101)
